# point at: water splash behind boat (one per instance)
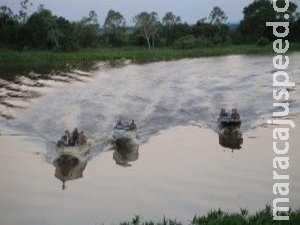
(158, 96)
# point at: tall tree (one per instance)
(41, 30)
(6, 16)
(92, 19)
(218, 20)
(24, 12)
(148, 25)
(67, 39)
(253, 26)
(114, 27)
(291, 11)
(87, 30)
(217, 16)
(169, 21)
(203, 29)
(8, 24)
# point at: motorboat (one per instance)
(230, 135)
(123, 133)
(227, 121)
(78, 151)
(76, 146)
(71, 157)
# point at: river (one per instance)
(179, 169)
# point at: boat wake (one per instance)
(157, 96)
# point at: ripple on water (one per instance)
(159, 95)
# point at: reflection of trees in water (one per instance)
(68, 168)
(230, 137)
(126, 151)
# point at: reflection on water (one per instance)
(126, 152)
(68, 167)
(230, 138)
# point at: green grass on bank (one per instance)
(14, 63)
(219, 217)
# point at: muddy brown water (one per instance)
(179, 168)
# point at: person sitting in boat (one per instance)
(119, 124)
(133, 125)
(234, 114)
(81, 138)
(74, 138)
(223, 113)
(66, 138)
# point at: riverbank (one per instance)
(13, 63)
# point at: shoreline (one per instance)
(16, 63)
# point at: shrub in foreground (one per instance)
(219, 217)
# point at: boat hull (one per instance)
(227, 122)
(123, 135)
(75, 151)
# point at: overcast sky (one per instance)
(189, 10)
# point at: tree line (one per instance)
(43, 30)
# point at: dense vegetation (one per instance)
(219, 217)
(42, 30)
(51, 62)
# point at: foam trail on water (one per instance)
(159, 96)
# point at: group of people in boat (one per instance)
(126, 126)
(73, 139)
(234, 114)
(77, 138)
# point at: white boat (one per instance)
(123, 133)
